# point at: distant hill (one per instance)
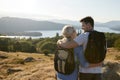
(115, 25)
(112, 23)
(13, 24)
(75, 23)
(10, 24)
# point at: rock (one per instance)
(10, 70)
(111, 71)
(29, 59)
(3, 57)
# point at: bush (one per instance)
(39, 44)
(50, 46)
(46, 52)
(27, 46)
(111, 38)
(117, 44)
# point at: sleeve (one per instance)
(80, 39)
(80, 56)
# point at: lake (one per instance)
(52, 33)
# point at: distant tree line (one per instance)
(45, 45)
(41, 45)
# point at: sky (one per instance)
(100, 10)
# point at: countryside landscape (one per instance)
(33, 59)
(29, 30)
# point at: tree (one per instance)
(57, 34)
(17, 46)
(5, 44)
(26, 46)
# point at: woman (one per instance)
(69, 33)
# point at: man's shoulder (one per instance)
(85, 34)
(82, 38)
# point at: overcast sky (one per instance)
(100, 10)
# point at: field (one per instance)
(32, 66)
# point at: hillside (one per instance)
(14, 24)
(114, 25)
(11, 24)
(41, 67)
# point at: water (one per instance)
(45, 33)
(48, 33)
(52, 33)
(106, 29)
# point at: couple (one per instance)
(83, 70)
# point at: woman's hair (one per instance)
(67, 31)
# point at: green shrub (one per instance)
(50, 46)
(117, 44)
(46, 52)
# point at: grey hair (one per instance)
(67, 31)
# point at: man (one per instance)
(93, 71)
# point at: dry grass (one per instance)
(111, 54)
(40, 69)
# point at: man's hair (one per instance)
(88, 19)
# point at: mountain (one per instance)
(117, 28)
(11, 24)
(114, 25)
(75, 23)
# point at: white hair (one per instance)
(67, 31)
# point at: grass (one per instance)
(112, 53)
(117, 57)
(40, 69)
(36, 70)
